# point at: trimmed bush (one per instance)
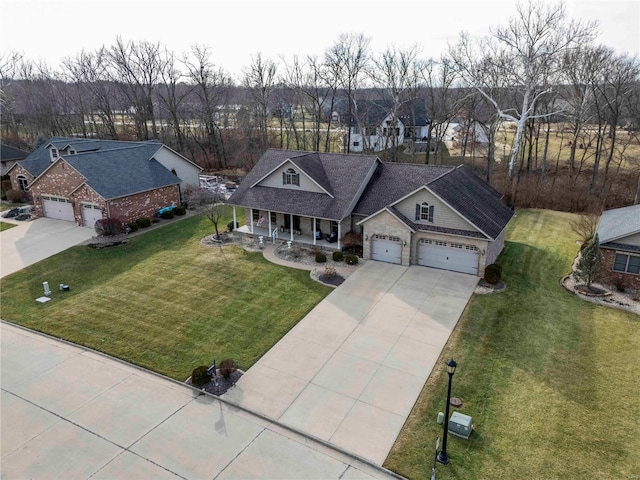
(144, 222)
(14, 196)
(321, 257)
(108, 227)
(493, 273)
(227, 368)
(230, 226)
(155, 220)
(133, 226)
(351, 259)
(180, 210)
(168, 215)
(199, 376)
(337, 256)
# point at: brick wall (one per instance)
(13, 176)
(618, 279)
(144, 204)
(86, 194)
(60, 180)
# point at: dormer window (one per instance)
(72, 151)
(54, 153)
(290, 177)
(424, 212)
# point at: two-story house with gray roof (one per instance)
(84, 180)
(433, 215)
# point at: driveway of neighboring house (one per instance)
(68, 412)
(350, 372)
(30, 242)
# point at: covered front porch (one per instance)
(277, 226)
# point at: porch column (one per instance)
(251, 215)
(234, 219)
(314, 230)
(339, 235)
(291, 225)
(269, 213)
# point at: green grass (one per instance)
(551, 381)
(163, 301)
(6, 226)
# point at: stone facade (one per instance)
(628, 281)
(386, 224)
(60, 181)
(15, 185)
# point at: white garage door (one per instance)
(59, 208)
(90, 214)
(386, 249)
(457, 257)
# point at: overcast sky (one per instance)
(237, 29)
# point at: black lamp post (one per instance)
(443, 458)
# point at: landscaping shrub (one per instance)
(227, 368)
(14, 196)
(230, 226)
(133, 226)
(108, 227)
(167, 215)
(321, 257)
(144, 222)
(199, 376)
(330, 272)
(337, 256)
(493, 273)
(180, 210)
(155, 220)
(351, 259)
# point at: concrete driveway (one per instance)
(350, 372)
(29, 242)
(67, 412)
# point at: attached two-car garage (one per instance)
(457, 257)
(58, 208)
(386, 248)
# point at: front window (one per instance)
(22, 183)
(334, 227)
(256, 215)
(627, 263)
(424, 212)
(290, 177)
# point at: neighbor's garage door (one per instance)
(457, 257)
(90, 215)
(386, 249)
(59, 208)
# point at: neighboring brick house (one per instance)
(619, 235)
(432, 215)
(83, 180)
(9, 156)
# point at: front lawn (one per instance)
(6, 226)
(551, 381)
(163, 301)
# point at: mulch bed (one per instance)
(335, 280)
(223, 383)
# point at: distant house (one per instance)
(9, 156)
(83, 180)
(619, 235)
(432, 215)
(470, 132)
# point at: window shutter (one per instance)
(284, 178)
(297, 179)
(431, 213)
(417, 211)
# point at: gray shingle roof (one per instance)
(433, 228)
(340, 174)
(619, 223)
(122, 171)
(7, 152)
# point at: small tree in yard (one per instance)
(215, 212)
(589, 263)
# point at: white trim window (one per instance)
(290, 177)
(22, 183)
(424, 212)
(626, 263)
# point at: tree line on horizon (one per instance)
(543, 74)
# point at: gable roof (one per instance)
(472, 198)
(341, 175)
(618, 223)
(9, 153)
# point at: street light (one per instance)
(443, 458)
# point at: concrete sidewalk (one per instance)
(67, 412)
(350, 372)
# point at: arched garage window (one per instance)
(22, 183)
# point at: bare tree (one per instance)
(529, 51)
(349, 57)
(260, 78)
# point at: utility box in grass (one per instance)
(460, 425)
